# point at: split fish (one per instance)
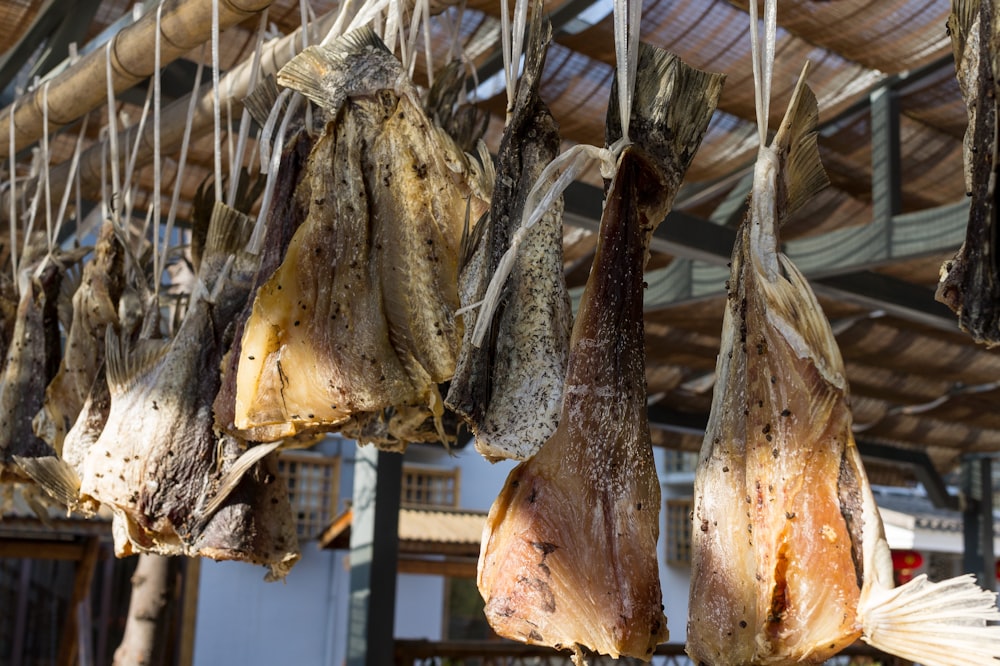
(174, 485)
(970, 282)
(509, 390)
(95, 306)
(789, 558)
(32, 361)
(360, 317)
(568, 554)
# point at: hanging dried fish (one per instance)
(95, 305)
(360, 315)
(509, 389)
(588, 501)
(789, 558)
(32, 361)
(970, 283)
(174, 485)
(288, 210)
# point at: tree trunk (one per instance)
(148, 613)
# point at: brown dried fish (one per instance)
(588, 501)
(95, 306)
(174, 485)
(970, 282)
(32, 361)
(789, 558)
(509, 390)
(360, 315)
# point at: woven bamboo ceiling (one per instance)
(892, 121)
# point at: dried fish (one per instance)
(32, 361)
(288, 210)
(360, 315)
(789, 558)
(174, 485)
(588, 501)
(509, 389)
(970, 282)
(95, 306)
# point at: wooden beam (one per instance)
(451, 567)
(68, 644)
(41, 549)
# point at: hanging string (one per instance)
(45, 166)
(428, 55)
(73, 177)
(157, 168)
(241, 141)
(113, 147)
(627, 22)
(12, 194)
(763, 63)
(133, 157)
(257, 238)
(179, 178)
(304, 22)
(216, 105)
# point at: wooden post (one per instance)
(378, 476)
(69, 643)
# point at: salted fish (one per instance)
(568, 553)
(95, 307)
(359, 317)
(32, 361)
(509, 389)
(174, 485)
(789, 559)
(288, 210)
(970, 282)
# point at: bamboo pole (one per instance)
(184, 25)
(233, 87)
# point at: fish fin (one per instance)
(796, 138)
(668, 131)
(934, 623)
(124, 367)
(326, 75)
(262, 99)
(964, 14)
(228, 231)
(233, 475)
(55, 476)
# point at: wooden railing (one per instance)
(508, 653)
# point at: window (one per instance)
(680, 461)
(679, 530)
(430, 487)
(313, 487)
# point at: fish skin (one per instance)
(8, 312)
(95, 307)
(970, 282)
(32, 361)
(509, 390)
(360, 315)
(288, 211)
(588, 501)
(159, 461)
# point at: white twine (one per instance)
(763, 63)
(216, 105)
(179, 178)
(157, 171)
(245, 117)
(45, 166)
(12, 203)
(257, 238)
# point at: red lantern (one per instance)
(906, 559)
(903, 564)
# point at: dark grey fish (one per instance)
(509, 389)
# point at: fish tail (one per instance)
(55, 476)
(934, 623)
(667, 131)
(326, 75)
(262, 99)
(804, 174)
(123, 367)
